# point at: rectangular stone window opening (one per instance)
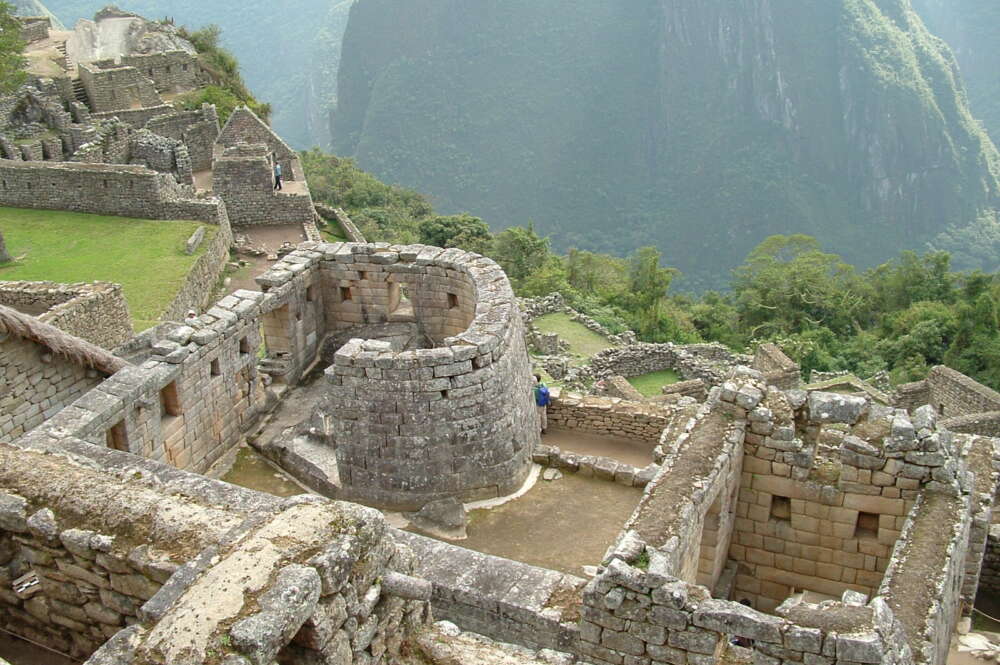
(362, 275)
(452, 301)
(216, 370)
(345, 294)
(244, 346)
(170, 403)
(867, 526)
(117, 438)
(311, 293)
(781, 508)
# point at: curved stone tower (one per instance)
(430, 394)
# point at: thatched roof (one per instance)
(73, 348)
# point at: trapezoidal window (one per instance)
(345, 293)
(781, 508)
(867, 526)
(170, 403)
(311, 293)
(117, 438)
(244, 346)
(215, 369)
(452, 301)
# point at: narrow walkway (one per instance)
(636, 453)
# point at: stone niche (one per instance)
(429, 391)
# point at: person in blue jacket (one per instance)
(542, 399)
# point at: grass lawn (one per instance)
(146, 257)
(583, 342)
(650, 384)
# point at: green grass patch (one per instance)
(650, 384)
(583, 343)
(146, 257)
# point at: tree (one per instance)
(787, 285)
(463, 231)
(12, 60)
(520, 252)
(4, 256)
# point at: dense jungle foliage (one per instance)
(904, 316)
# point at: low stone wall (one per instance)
(708, 362)
(502, 599)
(137, 118)
(95, 312)
(103, 189)
(592, 466)
(639, 421)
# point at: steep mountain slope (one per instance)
(971, 27)
(699, 127)
(288, 50)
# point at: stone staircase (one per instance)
(65, 63)
(275, 365)
(80, 92)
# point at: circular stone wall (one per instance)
(457, 420)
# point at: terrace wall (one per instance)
(103, 189)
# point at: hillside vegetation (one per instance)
(146, 257)
(701, 128)
(902, 317)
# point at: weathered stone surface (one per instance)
(285, 607)
(836, 408)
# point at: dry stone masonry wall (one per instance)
(103, 189)
(95, 312)
(410, 426)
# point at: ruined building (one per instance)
(777, 525)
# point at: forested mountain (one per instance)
(288, 50)
(971, 27)
(700, 127)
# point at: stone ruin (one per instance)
(775, 526)
(106, 104)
